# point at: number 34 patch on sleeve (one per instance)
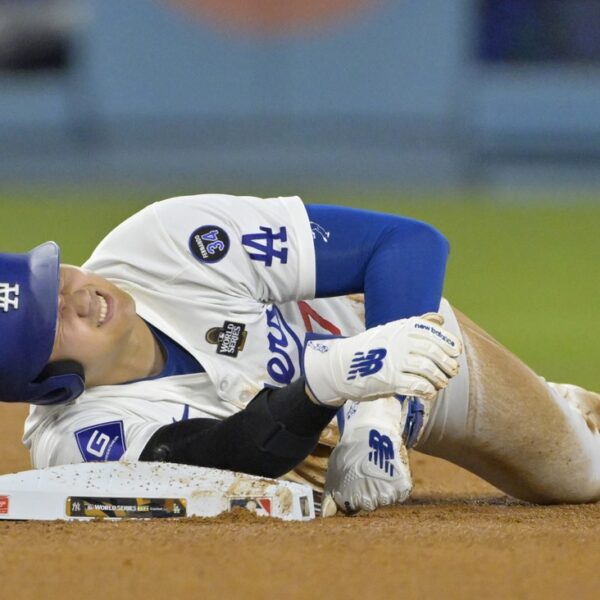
(209, 243)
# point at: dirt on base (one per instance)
(457, 538)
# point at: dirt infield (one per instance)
(457, 538)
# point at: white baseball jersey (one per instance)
(221, 276)
(231, 280)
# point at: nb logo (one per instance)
(9, 297)
(382, 451)
(264, 244)
(363, 365)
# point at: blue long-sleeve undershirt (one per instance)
(399, 263)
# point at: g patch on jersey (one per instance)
(102, 443)
(209, 243)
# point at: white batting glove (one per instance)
(369, 468)
(410, 357)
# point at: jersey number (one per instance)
(215, 244)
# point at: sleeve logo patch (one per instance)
(102, 443)
(319, 230)
(209, 243)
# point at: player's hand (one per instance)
(369, 468)
(410, 357)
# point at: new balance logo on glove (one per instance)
(382, 451)
(367, 364)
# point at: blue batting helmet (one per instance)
(29, 288)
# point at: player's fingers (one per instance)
(375, 493)
(347, 504)
(351, 504)
(367, 501)
(328, 506)
(415, 385)
(385, 500)
(425, 367)
(434, 317)
(367, 504)
(447, 363)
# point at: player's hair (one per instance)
(29, 288)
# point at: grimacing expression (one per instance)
(95, 319)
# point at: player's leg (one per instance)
(534, 440)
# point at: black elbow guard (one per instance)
(273, 436)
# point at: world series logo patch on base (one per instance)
(146, 490)
(130, 508)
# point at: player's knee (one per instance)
(579, 488)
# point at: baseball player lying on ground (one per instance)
(226, 332)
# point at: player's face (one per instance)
(95, 320)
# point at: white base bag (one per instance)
(143, 490)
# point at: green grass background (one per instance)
(529, 272)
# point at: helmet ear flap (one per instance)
(59, 382)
